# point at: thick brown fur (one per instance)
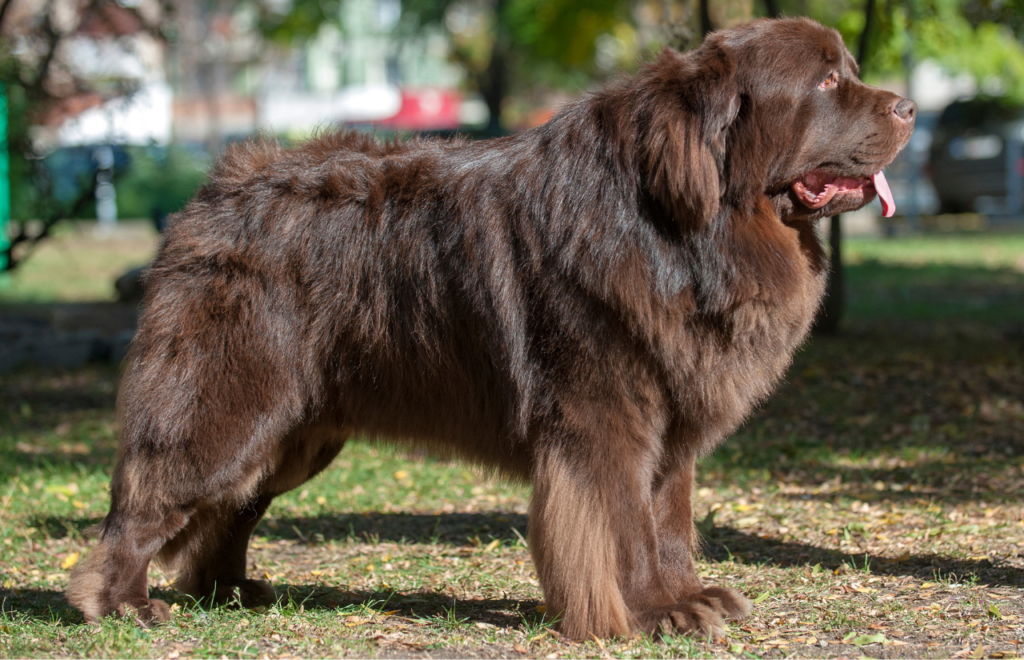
(590, 306)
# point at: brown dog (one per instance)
(590, 305)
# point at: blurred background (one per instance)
(895, 443)
(114, 110)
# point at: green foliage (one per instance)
(159, 180)
(977, 38)
(552, 42)
(562, 32)
(297, 21)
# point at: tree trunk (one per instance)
(831, 311)
(705, 19)
(494, 82)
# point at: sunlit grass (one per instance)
(77, 265)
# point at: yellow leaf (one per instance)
(321, 500)
(267, 575)
(78, 505)
(401, 474)
(70, 560)
(541, 609)
(742, 507)
(492, 545)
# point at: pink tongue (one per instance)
(884, 194)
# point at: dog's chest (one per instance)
(733, 334)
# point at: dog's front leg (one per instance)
(678, 540)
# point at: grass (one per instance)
(872, 508)
(76, 265)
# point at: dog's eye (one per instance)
(831, 81)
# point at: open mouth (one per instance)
(818, 187)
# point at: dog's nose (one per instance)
(906, 110)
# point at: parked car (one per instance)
(911, 187)
(976, 157)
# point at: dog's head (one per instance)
(773, 109)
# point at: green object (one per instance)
(5, 190)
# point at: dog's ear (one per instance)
(696, 101)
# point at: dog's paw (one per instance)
(152, 613)
(703, 613)
(730, 603)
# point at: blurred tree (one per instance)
(44, 81)
(505, 43)
(977, 37)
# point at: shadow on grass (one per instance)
(49, 605)
(57, 527)
(722, 543)
(39, 604)
(501, 612)
(373, 527)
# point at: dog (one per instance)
(589, 306)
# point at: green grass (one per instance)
(975, 277)
(76, 265)
(872, 507)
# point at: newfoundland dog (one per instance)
(589, 306)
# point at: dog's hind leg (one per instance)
(113, 577)
(208, 395)
(208, 557)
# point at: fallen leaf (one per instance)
(864, 640)
(70, 560)
(519, 648)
